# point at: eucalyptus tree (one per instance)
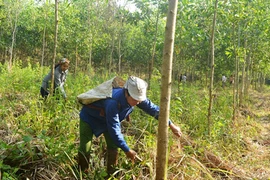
(243, 25)
(193, 38)
(135, 47)
(258, 35)
(72, 32)
(98, 29)
(29, 36)
(3, 30)
(13, 10)
(126, 35)
(2, 14)
(212, 66)
(245, 32)
(151, 62)
(45, 12)
(85, 22)
(110, 31)
(152, 13)
(246, 22)
(113, 32)
(162, 144)
(55, 45)
(117, 34)
(30, 25)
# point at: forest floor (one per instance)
(252, 161)
(257, 158)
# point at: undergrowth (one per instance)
(40, 139)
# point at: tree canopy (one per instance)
(107, 34)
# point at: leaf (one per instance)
(27, 138)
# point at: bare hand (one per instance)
(176, 130)
(131, 155)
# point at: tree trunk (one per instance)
(261, 81)
(89, 67)
(111, 54)
(247, 75)
(212, 69)
(151, 64)
(237, 73)
(162, 142)
(243, 82)
(44, 37)
(43, 47)
(12, 42)
(76, 60)
(119, 44)
(90, 58)
(119, 54)
(55, 45)
(234, 74)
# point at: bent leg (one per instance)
(86, 136)
(43, 93)
(112, 154)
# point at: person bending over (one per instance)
(104, 117)
(60, 75)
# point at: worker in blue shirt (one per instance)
(60, 76)
(105, 116)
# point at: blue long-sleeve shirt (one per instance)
(116, 109)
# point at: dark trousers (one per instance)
(43, 93)
(86, 136)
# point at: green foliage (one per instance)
(34, 131)
(105, 31)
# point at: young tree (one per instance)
(44, 32)
(14, 11)
(151, 64)
(212, 68)
(55, 45)
(162, 143)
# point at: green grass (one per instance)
(41, 138)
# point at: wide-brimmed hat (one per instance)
(136, 88)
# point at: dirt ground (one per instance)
(254, 159)
(258, 155)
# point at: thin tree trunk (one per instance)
(212, 70)
(119, 54)
(76, 60)
(162, 143)
(55, 45)
(255, 79)
(44, 38)
(111, 54)
(151, 65)
(12, 42)
(237, 73)
(90, 36)
(5, 55)
(243, 83)
(248, 74)
(43, 46)
(234, 74)
(262, 80)
(90, 57)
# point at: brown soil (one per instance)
(254, 162)
(258, 157)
